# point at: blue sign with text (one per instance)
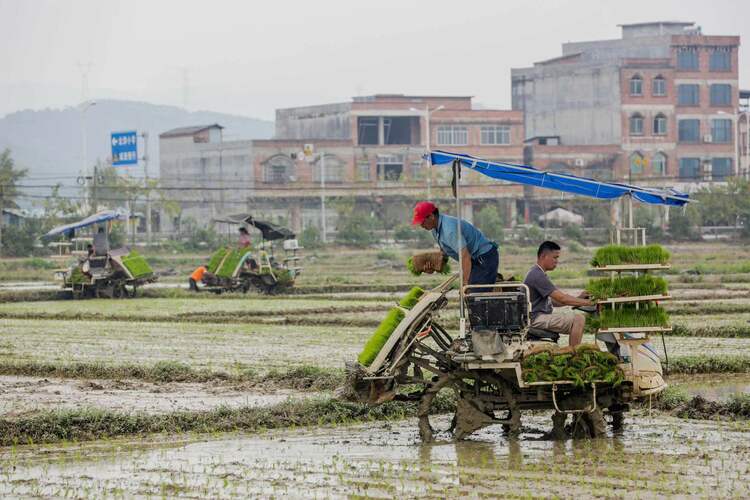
(124, 148)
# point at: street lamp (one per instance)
(427, 113)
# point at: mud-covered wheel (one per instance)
(589, 425)
(558, 426)
(426, 431)
(617, 420)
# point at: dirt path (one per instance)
(26, 395)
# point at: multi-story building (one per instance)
(202, 174)
(371, 150)
(661, 102)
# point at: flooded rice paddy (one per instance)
(241, 337)
(653, 457)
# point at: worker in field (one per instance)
(479, 257)
(545, 296)
(197, 277)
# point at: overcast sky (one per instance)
(250, 57)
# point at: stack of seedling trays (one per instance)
(630, 298)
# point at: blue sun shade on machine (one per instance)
(568, 183)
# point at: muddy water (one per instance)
(26, 395)
(714, 387)
(652, 458)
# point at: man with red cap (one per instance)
(479, 255)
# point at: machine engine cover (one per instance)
(502, 312)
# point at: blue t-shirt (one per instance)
(446, 235)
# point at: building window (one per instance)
(721, 94)
(636, 85)
(690, 168)
(495, 134)
(418, 170)
(660, 124)
(720, 59)
(363, 171)
(334, 170)
(659, 164)
(688, 94)
(452, 135)
(390, 167)
(279, 170)
(689, 131)
(721, 168)
(636, 124)
(636, 163)
(721, 130)
(687, 58)
(659, 86)
(367, 130)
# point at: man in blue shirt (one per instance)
(479, 255)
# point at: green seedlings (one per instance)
(626, 286)
(446, 269)
(410, 299)
(628, 316)
(611, 255)
(387, 326)
(216, 258)
(137, 265)
(381, 336)
(585, 365)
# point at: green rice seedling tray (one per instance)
(216, 258)
(626, 286)
(613, 255)
(388, 326)
(137, 265)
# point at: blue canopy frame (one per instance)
(97, 218)
(530, 176)
(568, 183)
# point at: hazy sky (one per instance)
(250, 57)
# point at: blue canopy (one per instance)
(523, 174)
(97, 218)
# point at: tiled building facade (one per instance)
(664, 94)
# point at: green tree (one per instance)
(310, 238)
(9, 192)
(490, 221)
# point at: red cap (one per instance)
(421, 211)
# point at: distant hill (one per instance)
(49, 142)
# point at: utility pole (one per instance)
(144, 135)
(95, 182)
(324, 238)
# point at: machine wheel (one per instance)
(558, 426)
(426, 431)
(618, 420)
(589, 425)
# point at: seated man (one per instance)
(544, 295)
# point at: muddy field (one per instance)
(159, 363)
(655, 457)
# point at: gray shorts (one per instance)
(555, 322)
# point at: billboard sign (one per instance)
(124, 148)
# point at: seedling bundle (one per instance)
(438, 261)
(583, 365)
(387, 326)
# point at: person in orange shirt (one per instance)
(196, 277)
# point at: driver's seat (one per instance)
(539, 335)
